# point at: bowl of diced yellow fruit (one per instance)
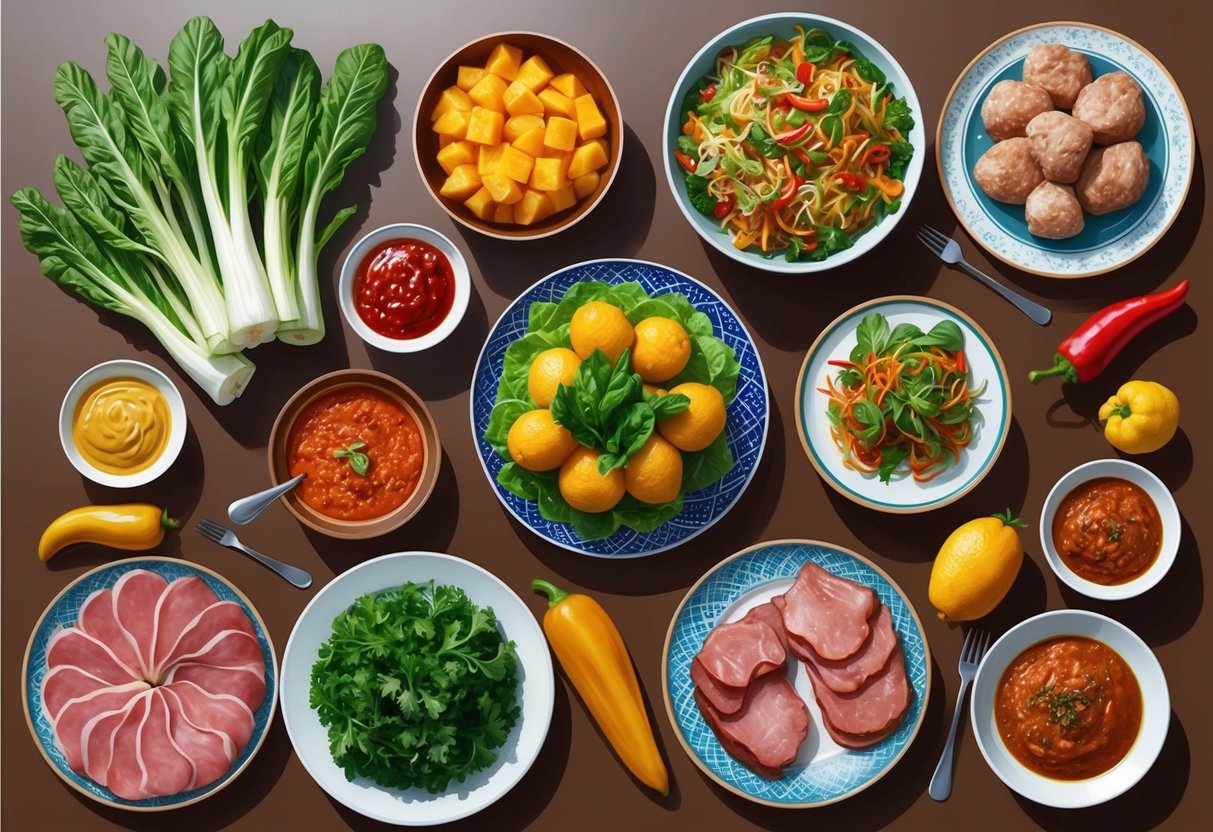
(518, 135)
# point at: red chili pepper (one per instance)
(708, 93)
(804, 73)
(960, 361)
(809, 105)
(875, 154)
(794, 134)
(1089, 349)
(723, 208)
(835, 362)
(803, 157)
(685, 160)
(851, 181)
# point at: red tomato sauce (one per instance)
(404, 288)
(335, 422)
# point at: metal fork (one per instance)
(976, 643)
(226, 537)
(948, 250)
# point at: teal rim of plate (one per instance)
(1003, 423)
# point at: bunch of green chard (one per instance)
(158, 225)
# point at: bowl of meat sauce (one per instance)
(369, 447)
(1110, 529)
(1070, 708)
(404, 287)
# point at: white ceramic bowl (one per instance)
(399, 231)
(1155, 700)
(781, 24)
(1167, 511)
(123, 368)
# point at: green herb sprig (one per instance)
(360, 462)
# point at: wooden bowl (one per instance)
(401, 394)
(561, 57)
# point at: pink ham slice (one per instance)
(724, 698)
(734, 654)
(65, 683)
(97, 739)
(849, 674)
(97, 619)
(134, 602)
(766, 733)
(770, 614)
(218, 618)
(221, 713)
(73, 648)
(828, 612)
(146, 762)
(245, 682)
(77, 713)
(211, 751)
(877, 706)
(180, 603)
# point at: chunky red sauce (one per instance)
(404, 288)
(336, 422)
(1107, 531)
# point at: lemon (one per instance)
(584, 488)
(550, 369)
(662, 349)
(698, 426)
(537, 443)
(598, 325)
(654, 473)
(975, 567)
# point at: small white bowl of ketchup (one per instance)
(404, 287)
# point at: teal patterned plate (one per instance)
(823, 772)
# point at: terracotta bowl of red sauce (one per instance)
(369, 447)
(404, 287)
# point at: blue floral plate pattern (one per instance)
(747, 413)
(64, 610)
(823, 771)
(1106, 242)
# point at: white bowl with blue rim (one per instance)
(745, 431)
(704, 62)
(1106, 242)
(823, 772)
(64, 610)
(902, 494)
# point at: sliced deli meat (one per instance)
(134, 601)
(734, 654)
(878, 705)
(97, 620)
(177, 609)
(770, 614)
(828, 612)
(76, 714)
(724, 698)
(849, 674)
(766, 732)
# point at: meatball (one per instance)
(1052, 211)
(1113, 178)
(1010, 106)
(1060, 71)
(1007, 172)
(1112, 104)
(1060, 144)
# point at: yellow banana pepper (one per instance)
(1141, 417)
(133, 527)
(590, 649)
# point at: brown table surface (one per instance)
(642, 45)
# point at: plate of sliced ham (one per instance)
(796, 673)
(149, 683)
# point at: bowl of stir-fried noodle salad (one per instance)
(793, 142)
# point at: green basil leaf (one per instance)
(890, 459)
(668, 405)
(871, 337)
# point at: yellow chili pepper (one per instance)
(132, 527)
(1141, 417)
(590, 649)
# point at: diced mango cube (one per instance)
(566, 197)
(468, 76)
(504, 61)
(590, 123)
(452, 98)
(515, 164)
(455, 154)
(588, 157)
(503, 189)
(561, 133)
(534, 73)
(532, 208)
(585, 184)
(489, 92)
(443, 141)
(517, 125)
(484, 126)
(531, 142)
(486, 160)
(549, 174)
(556, 103)
(519, 100)
(481, 204)
(453, 123)
(568, 84)
(462, 183)
(503, 214)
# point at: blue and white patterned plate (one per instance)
(747, 413)
(64, 611)
(823, 772)
(1106, 242)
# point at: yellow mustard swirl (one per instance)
(122, 426)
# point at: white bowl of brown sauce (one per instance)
(1070, 708)
(1110, 529)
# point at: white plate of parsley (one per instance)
(424, 657)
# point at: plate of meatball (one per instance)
(1065, 149)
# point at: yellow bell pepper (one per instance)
(1141, 417)
(590, 649)
(133, 527)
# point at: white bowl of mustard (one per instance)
(122, 423)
